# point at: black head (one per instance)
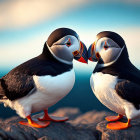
(60, 33)
(64, 44)
(107, 48)
(112, 35)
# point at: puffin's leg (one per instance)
(46, 117)
(118, 125)
(33, 123)
(130, 112)
(114, 118)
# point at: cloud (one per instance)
(22, 13)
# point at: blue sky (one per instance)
(22, 37)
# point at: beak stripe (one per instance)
(81, 54)
(81, 45)
(97, 53)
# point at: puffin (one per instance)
(115, 81)
(41, 82)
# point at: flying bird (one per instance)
(115, 81)
(44, 80)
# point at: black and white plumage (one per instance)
(115, 80)
(21, 77)
(42, 81)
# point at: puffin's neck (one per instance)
(46, 54)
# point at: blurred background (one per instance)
(26, 24)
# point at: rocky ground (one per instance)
(88, 126)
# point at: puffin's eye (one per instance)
(68, 42)
(106, 46)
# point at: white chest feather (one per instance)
(55, 86)
(103, 86)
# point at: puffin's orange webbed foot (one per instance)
(32, 123)
(114, 118)
(52, 118)
(118, 125)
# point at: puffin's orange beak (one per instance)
(82, 54)
(92, 56)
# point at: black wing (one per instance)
(16, 86)
(129, 91)
(19, 82)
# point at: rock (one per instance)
(88, 126)
(132, 133)
(79, 127)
